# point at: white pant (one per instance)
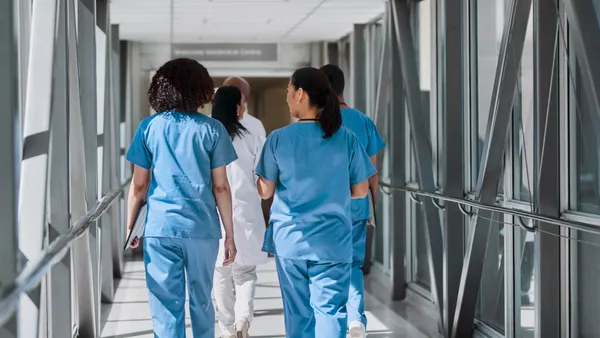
(233, 308)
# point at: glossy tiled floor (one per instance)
(129, 316)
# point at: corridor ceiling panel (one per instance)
(194, 21)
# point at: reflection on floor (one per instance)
(129, 315)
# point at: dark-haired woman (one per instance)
(313, 167)
(235, 311)
(179, 158)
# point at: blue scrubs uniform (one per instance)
(366, 131)
(182, 230)
(310, 228)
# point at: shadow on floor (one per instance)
(136, 334)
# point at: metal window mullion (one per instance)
(59, 279)
(367, 66)
(452, 89)
(421, 145)
(23, 13)
(86, 48)
(568, 247)
(129, 116)
(513, 238)
(547, 253)
(392, 74)
(103, 143)
(82, 268)
(10, 131)
(117, 226)
(507, 73)
(125, 112)
(34, 166)
(127, 98)
(570, 187)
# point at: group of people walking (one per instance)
(203, 179)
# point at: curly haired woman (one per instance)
(179, 158)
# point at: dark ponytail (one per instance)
(330, 116)
(316, 85)
(224, 109)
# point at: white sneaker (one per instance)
(241, 329)
(357, 330)
(226, 333)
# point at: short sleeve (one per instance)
(361, 167)
(375, 142)
(138, 152)
(267, 167)
(223, 151)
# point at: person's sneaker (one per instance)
(357, 330)
(241, 329)
(228, 332)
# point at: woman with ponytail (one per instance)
(235, 305)
(313, 168)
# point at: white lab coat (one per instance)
(248, 219)
(253, 124)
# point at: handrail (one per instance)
(31, 276)
(515, 212)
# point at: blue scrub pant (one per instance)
(168, 261)
(356, 298)
(314, 297)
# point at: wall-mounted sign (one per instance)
(227, 51)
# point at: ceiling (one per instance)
(197, 21)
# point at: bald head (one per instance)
(239, 82)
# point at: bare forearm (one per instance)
(266, 189)
(135, 200)
(373, 186)
(223, 198)
(374, 181)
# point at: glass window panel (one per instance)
(585, 197)
(383, 210)
(524, 270)
(376, 60)
(488, 27)
(585, 293)
(424, 49)
(376, 44)
(523, 127)
(490, 308)
(597, 7)
(587, 124)
(422, 276)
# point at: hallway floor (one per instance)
(129, 315)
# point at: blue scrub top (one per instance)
(371, 140)
(310, 218)
(181, 149)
